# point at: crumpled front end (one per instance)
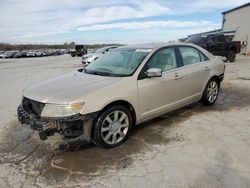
(76, 129)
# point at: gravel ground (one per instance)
(195, 146)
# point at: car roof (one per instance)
(156, 45)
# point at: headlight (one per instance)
(57, 110)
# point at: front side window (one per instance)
(164, 59)
(190, 55)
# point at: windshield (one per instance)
(196, 39)
(120, 62)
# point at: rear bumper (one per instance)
(70, 127)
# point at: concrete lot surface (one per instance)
(195, 146)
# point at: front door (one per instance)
(157, 95)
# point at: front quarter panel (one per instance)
(125, 89)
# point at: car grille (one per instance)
(32, 106)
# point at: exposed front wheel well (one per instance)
(125, 104)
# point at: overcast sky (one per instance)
(109, 21)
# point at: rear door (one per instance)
(194, 73)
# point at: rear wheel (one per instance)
(112, 127)
(210, 93)
(232, 56)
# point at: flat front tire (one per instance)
(112, 127)
(211, 92)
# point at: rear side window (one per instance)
(203, 57)
(190, 55)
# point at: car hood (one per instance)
(66, 88)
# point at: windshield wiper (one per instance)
(97, 73)
(103, 73)
(105, 70)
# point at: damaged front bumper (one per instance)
(75, 129)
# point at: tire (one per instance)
(109, 132)
(211, 92)
(231, 56)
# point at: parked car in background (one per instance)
(20, 54)
(39, 53)
(59, 52)
(3, 54)
(89, 58)
(217, 45)
(79, 51)
(31, 54)
(90, 50)
(130, 85)
(45, 53)
(10, 54)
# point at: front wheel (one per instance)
(210, 93)
(112, 127)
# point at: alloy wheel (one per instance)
(212, 91)
(115, 127)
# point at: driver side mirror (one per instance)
(154, 72)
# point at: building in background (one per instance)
(236, 24)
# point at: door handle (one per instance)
(177, 77)
(207, 68)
